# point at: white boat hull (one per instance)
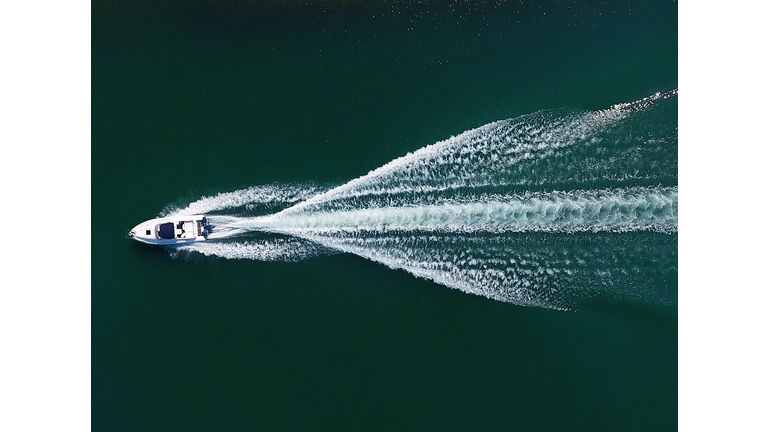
(173, 230)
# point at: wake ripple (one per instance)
(554, 209)
(622, 210)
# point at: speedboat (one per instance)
(172, 230)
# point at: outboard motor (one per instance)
(207, 228)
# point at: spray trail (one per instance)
(622, 210)
(553, 209)
(264, 196)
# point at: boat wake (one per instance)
(554, 209)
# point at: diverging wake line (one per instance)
(554, 209)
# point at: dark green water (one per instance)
(198, 98)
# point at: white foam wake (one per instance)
(454, 212)
(532, 270)
(491, 155)
(621, 210)
(265, 194)
(281, 249)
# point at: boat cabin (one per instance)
(181, 230)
